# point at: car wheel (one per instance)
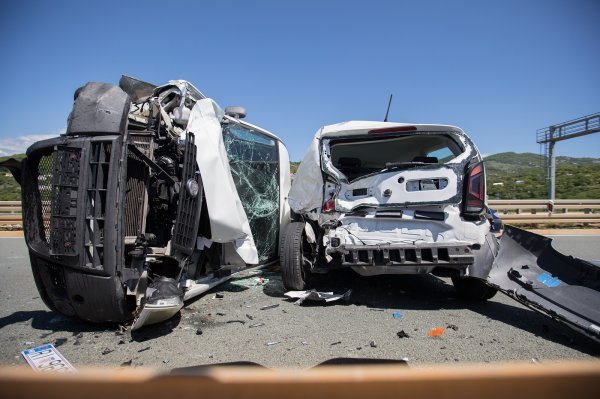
(473, 289)
(297, 255)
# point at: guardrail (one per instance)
(511, 212)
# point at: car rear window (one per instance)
(359, 157)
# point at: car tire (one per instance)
(473, 289)
(294, 271)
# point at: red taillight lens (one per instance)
(328, 206)
(475, 189)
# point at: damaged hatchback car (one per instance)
(152, 196)
(391, 198)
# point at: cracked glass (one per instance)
(254, 162)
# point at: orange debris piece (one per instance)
(437, 332)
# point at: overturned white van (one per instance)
(153, 195)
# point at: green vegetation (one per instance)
(523, 176)
(576, 178)
(294, 166)
(9, 189)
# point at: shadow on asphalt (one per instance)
(51, 321)
(427, 292)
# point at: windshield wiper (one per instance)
(395, 165)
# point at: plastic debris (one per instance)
(236, 321)
(402, 334)
(373, 344)
(47, 358)
(276, 305)
(144, 349)
(314, 295)
(199, 331)
(336, 343)
(249, 317)
(548, 280)
(219, 295)
(256, 325)
(396, 315)
(436, 332)
(376, 310)
(272, 343)
(220, 314)
(59, 341)
(127, 363)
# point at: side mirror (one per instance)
(236, 112)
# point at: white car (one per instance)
(390, 198)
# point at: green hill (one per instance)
(523, 176)
(9, 189)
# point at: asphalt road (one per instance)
(301, 336)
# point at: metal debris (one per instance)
(373, 344)
(402, 334)
(256, 325)
(144, 350)
(314, 295)
(452, 327)
(59, 341)
(236, 321)
(276, 305)
(106, 351)
(272, 343)
(219, 295)
(127, 363)
(336, 343)
(199, 331)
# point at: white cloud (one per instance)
(18, 145)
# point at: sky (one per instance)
(498, 69)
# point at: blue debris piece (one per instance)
(397, 315)
(548, 280)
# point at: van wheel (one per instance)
(473, 289)
(297, 257)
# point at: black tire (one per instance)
(295, 272)
(473, 289)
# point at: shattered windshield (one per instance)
(254, 162)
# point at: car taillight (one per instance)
(328, 206)
(474, 201)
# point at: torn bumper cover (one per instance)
(567, 289)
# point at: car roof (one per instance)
(352, 128)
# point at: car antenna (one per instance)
(388, 109)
